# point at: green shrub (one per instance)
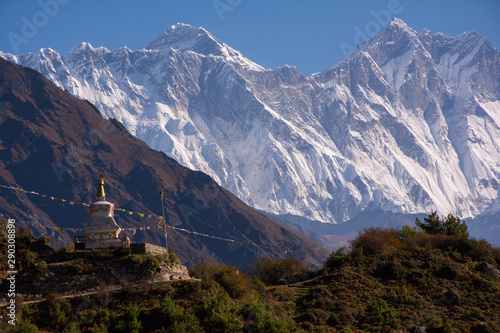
(380, 312)
(40, 272)
(152, 263)
(122, 251)
(169, 312)
(27, 328)
(451, 225)
(99, 254)
(173, 318)
(219, 315)
(129, 321)
(408, 232)
(72, 328)
(477, 313)
(258, 286)
(172, 258)
(391, 270)
(338, 258)
(132, 259)
(254, 316)
(102, 317)
(75, 269)
(57, 311)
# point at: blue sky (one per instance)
(311, 35)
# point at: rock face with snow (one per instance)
(410, 122)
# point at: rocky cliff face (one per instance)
(410, 122)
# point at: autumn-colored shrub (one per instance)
(272, 271)
(371, 244)
(481, 250)
(234, 283)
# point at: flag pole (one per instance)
(164, 220)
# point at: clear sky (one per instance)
(311, 35)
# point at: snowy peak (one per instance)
(85, 47)
(397, 23)
(392, 38)
(82, 47)
(184, 37)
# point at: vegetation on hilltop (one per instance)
(433, 277)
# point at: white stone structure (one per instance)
(102, 230)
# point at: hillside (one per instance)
(55, 144)
(432, 278)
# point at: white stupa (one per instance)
(102, 230)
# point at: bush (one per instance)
(380, 312)
(391, 270)
(75, 269)
(235, 284)
(57, 312)
(407, 232)
(271, 271)
(369, 243)
(451, 225)
(129, 322)
(99, 255)
(338, 258)
(482, 250)
(152, 263)
(102, 317)
(27, 328)
(172, 259)
(258, 286)
(218, 315)
(40, 272)
(173, 318)
(132, 259)
(122, 251)
(169, 312)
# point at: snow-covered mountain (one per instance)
(410, 122)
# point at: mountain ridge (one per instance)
(408, 123)
(56, 144)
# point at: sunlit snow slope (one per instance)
(408, 123)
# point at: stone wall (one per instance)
(147, 248)
(104, 243)
(170, 273)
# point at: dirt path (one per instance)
(110, 289)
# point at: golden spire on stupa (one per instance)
(100, 188)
